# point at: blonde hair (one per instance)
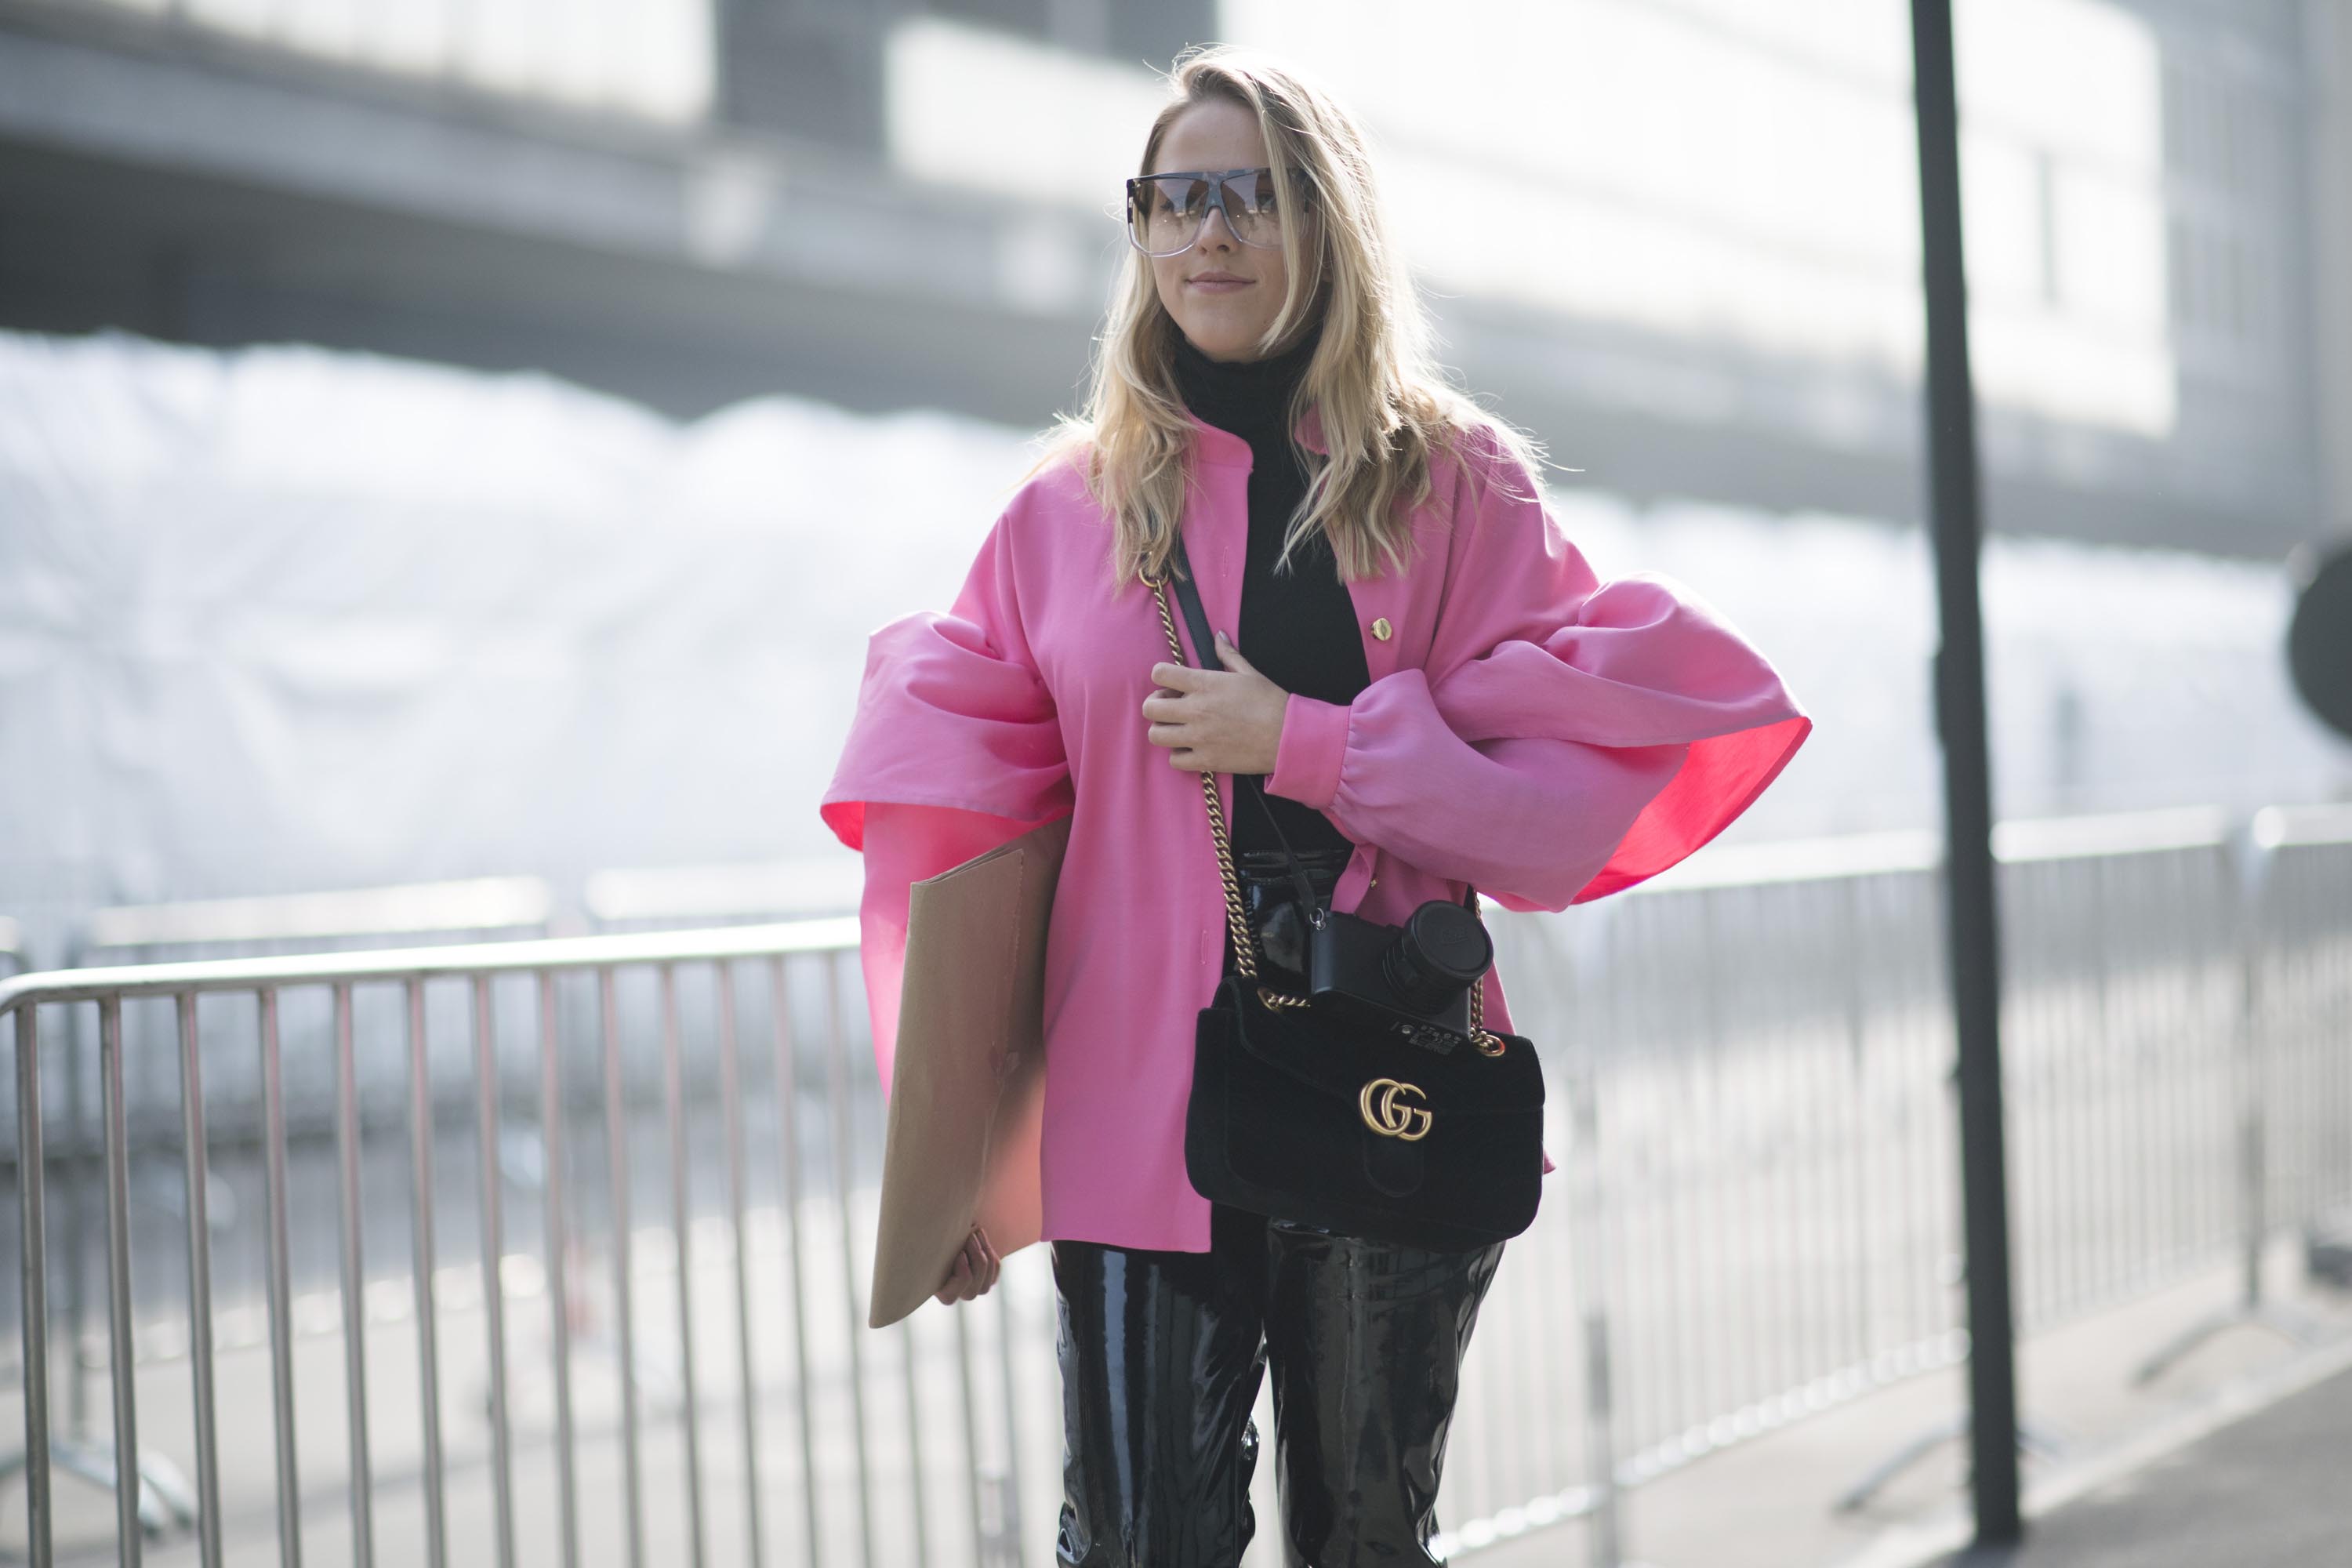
(1383, 402)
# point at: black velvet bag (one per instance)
(1303, 1108)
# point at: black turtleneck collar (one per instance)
(1247, 397)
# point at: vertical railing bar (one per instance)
(979, 1540)
(914, 1440)
(2084, 1259)
(354, 1284)
(121, 1363)
(200, 1286)
(2078, 1110)
(1590, 1203)
(282, 1304)
(1534, 1268)
(558, 1242)
(844, 1173)
(2319, 990)
(1663, 1369)
(1919, 1162)
(1551, 1220)
(1755, 1358)
(428, 1361)
(2251, 885)
(1722, 1198)
(730, 1071)
(32, 1264)
(2179, 1127)
(1858, 1347)
(787, 1158)
(78, 1227)
(1549, 1394)
(494, 1289)
(1013, 1531)
(681, 1220)
(1816, 1067)
(1598, 1001)
(617, 1139)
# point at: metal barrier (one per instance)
(1755, 1219)
(1750, 1059)
(476, 908)
(720, 1266)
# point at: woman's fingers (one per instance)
(974, 1273)
(958, 1280)
(963, 1275)
(990, 1258)
(983, 1261)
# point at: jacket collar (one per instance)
(1214, 444)
(1216, 538)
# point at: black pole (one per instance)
(1968, 848)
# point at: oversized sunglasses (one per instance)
(1166, 212)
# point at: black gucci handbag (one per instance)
(1358, 1090)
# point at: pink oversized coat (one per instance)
(1527, 728)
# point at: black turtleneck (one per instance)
(1298, 625)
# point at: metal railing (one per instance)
(1752, 1055)
(1756, 1217)
(196, 991)
(471, 909)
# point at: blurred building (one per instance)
(1676, 238)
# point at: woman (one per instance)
(1437, 691)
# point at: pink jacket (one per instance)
(1527, 728)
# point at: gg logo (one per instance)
(1384, 1115)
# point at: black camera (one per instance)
(1411, 980)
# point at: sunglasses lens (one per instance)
(1165, 215)
(1250, 208)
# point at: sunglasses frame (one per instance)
(1216, 179)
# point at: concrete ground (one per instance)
(2277, 1476)
(2265, 1490)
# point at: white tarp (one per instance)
(288, 618)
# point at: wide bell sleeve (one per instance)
(1567, 738)
(955, 747)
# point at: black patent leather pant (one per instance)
(1161, 1355)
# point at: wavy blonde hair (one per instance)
(1385, 405)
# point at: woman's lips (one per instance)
(1222, 285)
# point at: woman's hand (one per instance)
(974, 1271)
(1224, 720)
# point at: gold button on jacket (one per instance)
(1381, 628)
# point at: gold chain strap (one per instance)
(1488, 1044)
(1237, 921)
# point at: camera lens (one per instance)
(1442, 948)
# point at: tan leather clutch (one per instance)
(967, 1085)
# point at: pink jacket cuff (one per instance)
(1306, 760)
